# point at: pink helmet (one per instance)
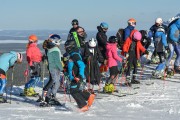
(137, 36)
(19, 57)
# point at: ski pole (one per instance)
(11, 83)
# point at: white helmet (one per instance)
(92, 42)
(159, 21)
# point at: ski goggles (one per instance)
(2, 76)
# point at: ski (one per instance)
(35, 95)
(61, 107)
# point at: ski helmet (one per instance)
(70, 45)
(19, 57)
(159, 21)
(75, 22)
(92, 43)
(137, 36)
(33, 38)
(56, 39)
(132, 22)
(104, 25)
(113, 39)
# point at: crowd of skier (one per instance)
(84, 62)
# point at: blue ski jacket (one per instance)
(127, 31)
(174, 32)
(7, 60)
(76, 60)
(162, 36)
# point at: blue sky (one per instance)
(57, 14)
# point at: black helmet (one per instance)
(70, 45)
(75, 22)
(113, 39)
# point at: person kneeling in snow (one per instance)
(7, 60)
(76, 74)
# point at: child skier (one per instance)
(131, 49)
(112, 58)
(34, 57)
(92, 56)
(161, 43)
(55, 67)
(7, 60)
(76, 74)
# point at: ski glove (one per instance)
(32, 67)
(146, 52)
(167, 48)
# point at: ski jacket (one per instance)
(54, 59)
(160, 41)
(101, 38)
(112, 55)
(7, 60)
(75, 66)
(127, 44)
(174, 32)
(127, 31)
(33, 54)
(154, 29)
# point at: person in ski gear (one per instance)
(131, 50)
(131, 26)
(112, 58)
(7, 61)
(161, 43)
(146, 38)
(75, 25)
(34, 57)
(174, 44)
(101, 38)
(153, 28)
(76, 74)
(55, 67)
(92, 57)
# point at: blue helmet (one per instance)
(104, 25)
(55, 38)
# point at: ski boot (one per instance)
(29, 92)
(138, 63)
(134, 81)
(108, 88)
(177, 69)
(2, 99)
(128, 81)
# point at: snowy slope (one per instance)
(160, 101)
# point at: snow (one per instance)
(159, 101)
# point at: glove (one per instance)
(77, 79)
(32, 67)
(146, 52)
(166, 48)
(126, 55)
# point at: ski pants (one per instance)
(55, 82)
(49, 83)
(132, 60)
(35, 76)
(174, 48)
(2, 85)
(80, 96)
(162, 56)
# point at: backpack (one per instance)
(120, 37)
